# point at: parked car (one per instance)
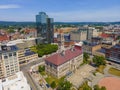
(47, 85)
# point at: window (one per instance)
(5, 57)
(10, 54)
(14, 54)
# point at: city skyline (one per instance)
(61, 11)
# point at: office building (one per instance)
(9, 64)
(113, 53)
(26, 56)
(45, 28)
(90, 47)
(79, 35)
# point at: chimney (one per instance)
(72, 48)
(62, 53)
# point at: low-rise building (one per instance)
(61, 64)
(24, 43)
(26, 56)
(90, 48)
(15, 82)
(113, 53)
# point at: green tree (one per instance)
(96, 87)
(103, 88)
(66, 85)
(99, 60)
(11, 31)
(85, 86)
(44, 49)
(41, 68)
(53, 84)
(85, 57)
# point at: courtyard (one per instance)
(80, 75)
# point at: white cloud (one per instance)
(9, 6)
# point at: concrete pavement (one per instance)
(25, 69)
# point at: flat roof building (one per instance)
(9, 64)
(15, 82)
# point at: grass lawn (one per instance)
(43, 73)
(101, 69)
(114, 71)
(50, 79)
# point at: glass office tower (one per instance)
(45, 29)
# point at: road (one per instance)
(25, 69)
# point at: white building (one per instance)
(16, 82)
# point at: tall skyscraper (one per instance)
(45, 29)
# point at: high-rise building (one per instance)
(9, 64)
(44, 27)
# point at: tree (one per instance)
(11, 31)
(85, 86)
(86, 57)
(41, 68)
(103, 88)
(66, 85)
(99, 60)
(44, 49)
(96, 87)
(53, 84)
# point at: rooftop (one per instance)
(59, 58)
(117, 46)
(28, 52)
(90, 43)
(4, 37)
(102, 50)
(5, 48)
(17, 82)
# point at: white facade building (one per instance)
(16, 82)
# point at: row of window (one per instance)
(9, 55)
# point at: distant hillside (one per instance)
(7, 23)
(16, 23)
(88, 23)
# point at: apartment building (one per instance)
(25, 56)
(9, 64)
(113, 53)
(61, 64)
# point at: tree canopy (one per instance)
(53, 84)
(99, 60)
(44, 49)
(85, 86)
(41, 68)
(85, 57)
(65, 85)
(96, 87)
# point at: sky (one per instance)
(61, 10)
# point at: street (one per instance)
(25, 69)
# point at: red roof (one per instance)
(58, 59)
(4, 38)
(29, 30)
(103, 35)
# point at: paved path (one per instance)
(99, 76)
(25, 69)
